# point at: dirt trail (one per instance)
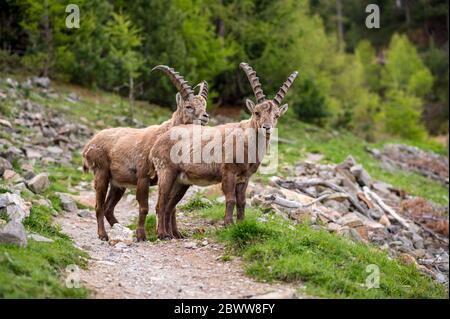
(165, 269)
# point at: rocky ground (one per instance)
(169, 269)
(343, 199)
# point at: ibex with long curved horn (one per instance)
(232, 167)
(119, 156)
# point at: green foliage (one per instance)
(123, 39)
(119, 42)
(366, 55)
(402, 115)
(312, 105)
(436, 115)
(246, 233)
(405, 70)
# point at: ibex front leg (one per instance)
(229, 190)
(241, 189)
(177, 193)
(101, 181)
(142, 198)
(165, 186)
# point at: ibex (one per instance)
(119, 157)
(175, 177)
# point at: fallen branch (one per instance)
(282, 201)
(318, 182)
(385, 207)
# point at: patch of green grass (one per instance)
(36, 271)
(336, 146)
(196, 202)
(4, 189)
(150, 227)
(330, 265)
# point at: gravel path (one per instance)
(167, 269)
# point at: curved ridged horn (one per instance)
(254, 81)
(285, 88)
(180, 83)
(203, 90)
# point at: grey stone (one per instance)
(12, 153)
(375, 213)
(190, 245)
(84, 213)
(336, 206)
(5, 123)
(43, 82)
(364, 178)
(40, 238)
(32, 153)
(73, 97)
(356, 170)
(39, 183)
(350, 220)
(119, 233)
(11, 83)
(4, 165)
(67, 203)
(55, 150)
(28, 175)
(15, 207)
(381, 187)
(13, 233)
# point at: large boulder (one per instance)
(14, 207)
(13, 233)
(39, 183)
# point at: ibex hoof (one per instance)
(140, 235)
(103, 237)
(178, 235)
(165, 236)
(141, 239)
(228, 222)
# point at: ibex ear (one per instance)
(179, 100)
(250, 105)
(283, 109)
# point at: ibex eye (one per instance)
(257, 114)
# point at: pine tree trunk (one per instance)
(131, 98)
(47, 40)
(340, 25)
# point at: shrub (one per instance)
(311, 106)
